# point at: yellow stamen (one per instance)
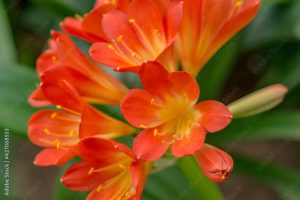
(238, 4)
(155, 132)
(54, 58)
(56, 143)
(132, 20)
(143, 126)
(68, 110)
(120, 37)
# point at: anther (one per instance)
(110, 47)
(131, 20)
(120, 37)
(47, 131)
(91, 171)
(143, 126)
(53, 115)
(56, 143)
(155, 133)
(54, 58)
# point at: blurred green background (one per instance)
(265, 147)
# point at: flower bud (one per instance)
(216, 164)
(259, 101)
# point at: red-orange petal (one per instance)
(155, 80)
(89, 148)
(116, 24)
(53, 157)
(38, 99)
(45, 61)
(215, 116)
(215, 163)
(74, 27)
(138, 109)
(152, 25)
(146, 146)
(184, 84)
(47, 126)
(104, 55)
(77, 176)
(173, 19)
(139, 173)
(94, 122)
(189, 144)
(63, 94)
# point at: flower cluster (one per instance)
(152, 39)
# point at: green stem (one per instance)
(204, 188)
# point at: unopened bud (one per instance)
(259, 101)
(216, 164)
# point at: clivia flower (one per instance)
(144, 32)
(216, 164)
(89, 26)
(107, 168)
(168, 111)
(209, 24)
(64, 61)
(58, 131)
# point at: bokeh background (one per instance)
(265, 147)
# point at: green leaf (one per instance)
(214, 75)
(275, 22)
(284, 181)
(16, 83)
(273, 125)
(168, 184)
(56, 7)
(7, 46)
(203, 187)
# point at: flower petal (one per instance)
(139, 173)
(38, 99)
(173, 19)
(150, 29)
(103, 54)
(47, 127)
(188, 145)
(138, 110)
(185, 84)
(155, 80)
(89, 148)
(74, 27)
(63, 94)
(215, 116)
(94, 122)
(146, 146)
(215, 163)
(53, 157)
(77, 176)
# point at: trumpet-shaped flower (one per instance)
(64, 61)
(89, 26)
(107, 168)
(166, 108)
(216, 164)
(207, 25)
(58, 131)
(144, 32)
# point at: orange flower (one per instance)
(207, 25)
(216, 164)
(167, 109)
(58, 131)
(144, 32)
(107, 168)
(89, 27)
(64, 61)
